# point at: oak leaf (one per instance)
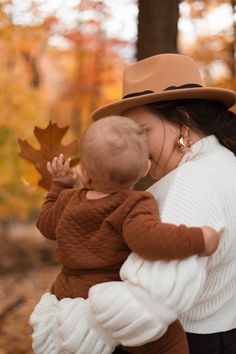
(50, 146)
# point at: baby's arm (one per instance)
(55, 201)
(151, 239)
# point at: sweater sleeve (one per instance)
(56, 201)
(151, 239)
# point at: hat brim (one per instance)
(227, 97)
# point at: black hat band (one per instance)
(169, 88)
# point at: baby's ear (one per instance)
(84, 177)
(147, 168)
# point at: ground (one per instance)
(19, 292)
(27, 269)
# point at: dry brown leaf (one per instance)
(50, 146)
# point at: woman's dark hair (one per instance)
(206, 116)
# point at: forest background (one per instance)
(59, 61)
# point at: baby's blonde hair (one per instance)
(114, 152)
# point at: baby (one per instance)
(96, 227)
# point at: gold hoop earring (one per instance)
(181, 144)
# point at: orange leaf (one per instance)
(50, 146)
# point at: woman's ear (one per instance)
(184, 127)
(83, 176)
(185, 131)
(147, 168)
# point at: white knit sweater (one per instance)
(201, 291)
(203, 192)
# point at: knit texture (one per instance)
(53, 335)
(94, 237)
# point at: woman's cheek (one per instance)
(156, 170)
(153, 168)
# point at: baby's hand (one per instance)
(211, 240)
(60, 170)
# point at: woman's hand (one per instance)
(60, 170)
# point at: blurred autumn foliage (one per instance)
(64, 83)
(214, 44)
(61, 73)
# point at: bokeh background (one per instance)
(59, 61)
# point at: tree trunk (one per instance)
(157, 27)
(157, 33)
(233, 46)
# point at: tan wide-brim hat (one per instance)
(161, 78)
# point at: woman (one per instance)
(192, 143)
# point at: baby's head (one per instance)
(114, 153)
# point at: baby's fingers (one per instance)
(67, 165)
(49, 168)
(59, 168)
(60, 162)
(54, 165)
